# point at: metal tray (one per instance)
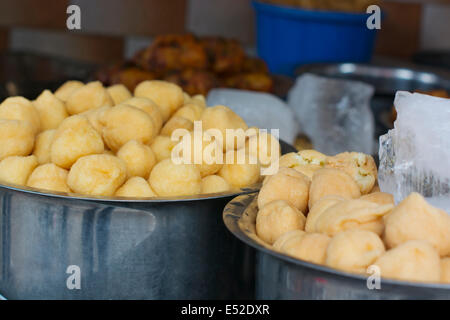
(279, 276)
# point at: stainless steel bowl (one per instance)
(279, 276)
(124, 249)
(164, 248)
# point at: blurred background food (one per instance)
(201, 45)
(114, 30)
(197, 64)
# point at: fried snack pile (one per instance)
(91, 140)
(197, 65)
(329, 210)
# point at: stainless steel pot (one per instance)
(279, 276)
(122, 248)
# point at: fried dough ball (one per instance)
(186, 97)
(150, 107)
(162, 147)
(94, 116)
(198, 100)
(287, 237)
(64, 91)
(352, 214)
(379, 198)
(16, 169)
(313, 157)
(168, 96)
(49, 177)
(52, 111)
(172, 52)
(320, 207)
(109, 152)
(222, 118)
(208, 157)
(254, 81)
(414, 260)
(214, 184)
(98, 175)
(130, 76)
(376, 188)
(226, 55)
(176, 123)
(119, 93)
(138, 157)
(265, 147)
(43, 145)
(123, 123)
(288, 184)
(239, 174)
(19, 108)
(415, 219)
(276, 218)
(16, 138)
(74, 138)
(289, 160)
(90, 96)
(445, 270)
(189, 111)
(332, 181)
(361, 167)
(170, 179)
(354, 250)
(305, 161)
(310, 247)
(194, 80)
(136, 187)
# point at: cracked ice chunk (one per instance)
(415, 155)
(334, 113)
(262, 110)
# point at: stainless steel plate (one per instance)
(386, 80)
(279, 276)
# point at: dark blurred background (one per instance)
(113, 29)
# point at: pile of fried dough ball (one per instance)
(329, 210)
(91, 140)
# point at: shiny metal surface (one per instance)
(163, 248)
(279, 276)
(385, 79)
(171, 250)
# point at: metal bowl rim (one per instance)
(231, 223)
(76, 196)
(443, 76)
(198, 197)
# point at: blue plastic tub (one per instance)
(288, 37)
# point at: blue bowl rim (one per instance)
(299, 13)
